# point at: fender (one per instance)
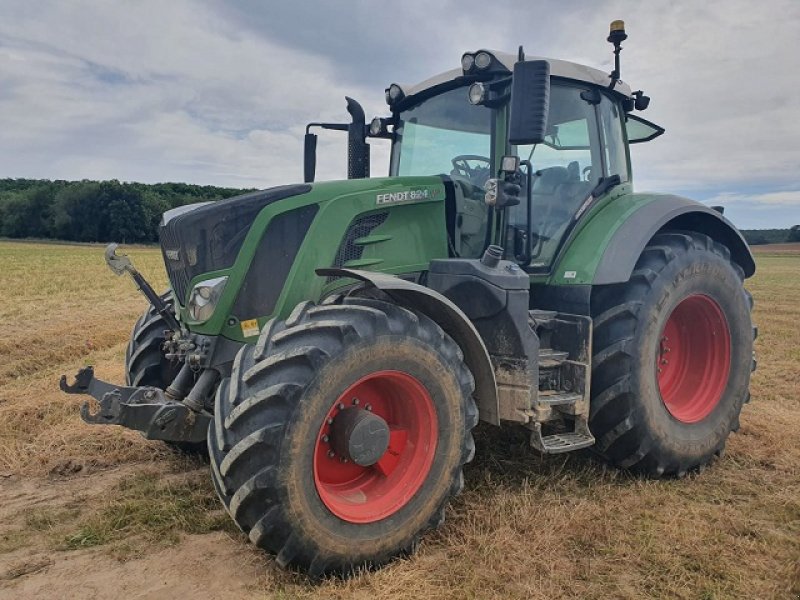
(622, 228)
(450, 318)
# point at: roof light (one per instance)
(394, 93)
(467, 62)
(477, 93)
(483, 60)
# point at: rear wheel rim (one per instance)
(693, 358)
(366, 494)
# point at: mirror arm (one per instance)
(528, 209)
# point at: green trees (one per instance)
(93, 211)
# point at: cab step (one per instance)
(558, 398)
(557, 443)
(562, 400)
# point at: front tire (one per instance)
(672, 357)
(280, 461)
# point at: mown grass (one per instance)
(151, 509)
(526, 526)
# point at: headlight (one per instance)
(204, 297)
(467, 61)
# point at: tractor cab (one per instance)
(458, 125)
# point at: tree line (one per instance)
(757, 237)
(110, 211)
(94, 211)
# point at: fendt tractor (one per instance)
(335, 343)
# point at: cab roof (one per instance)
(558, 68)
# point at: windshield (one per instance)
(444, 135)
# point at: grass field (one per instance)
(98, 512)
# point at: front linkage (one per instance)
(146, 409)
(177, 414)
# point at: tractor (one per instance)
(333, 344)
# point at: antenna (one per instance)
(616, 36)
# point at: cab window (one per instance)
(566, 168)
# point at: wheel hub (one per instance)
(375, 446)
(693, 358)
(360, 436)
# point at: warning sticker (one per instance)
(250, 328)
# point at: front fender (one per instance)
(606, 249)
(450, 318)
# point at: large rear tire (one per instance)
(672, 357)
(279, 450)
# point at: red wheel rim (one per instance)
(366, 494)
(694, 358)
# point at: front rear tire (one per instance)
(341, 435)
(672, 357)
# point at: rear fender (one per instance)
(641, 216)
(450, 318)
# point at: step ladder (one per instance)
(560, 411)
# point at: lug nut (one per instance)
(355, 401)
(331, 454)
(325, 438)
(329, 421)
(341, 405)
(368, 407)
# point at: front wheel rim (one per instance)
(359, 494)
(693, 358)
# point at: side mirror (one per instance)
(530, 102)
(357, 146)
(309, 157)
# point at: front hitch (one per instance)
(145, 409)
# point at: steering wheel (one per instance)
(475, 174)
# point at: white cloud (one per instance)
(219, 93)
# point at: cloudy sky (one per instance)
(219, 92)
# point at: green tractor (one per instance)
(335, 343)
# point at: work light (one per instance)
(394, 93)
(483, 60)
(477, 93)
(467, 61)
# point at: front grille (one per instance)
(173, 261)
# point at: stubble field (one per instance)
(98, 512)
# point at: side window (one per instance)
(611, 122)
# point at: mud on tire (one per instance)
(630, 419)
(268, 419)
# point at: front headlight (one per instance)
(204, 297)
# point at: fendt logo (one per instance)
(406, 196)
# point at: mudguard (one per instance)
(623, 228)
(450, 318)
